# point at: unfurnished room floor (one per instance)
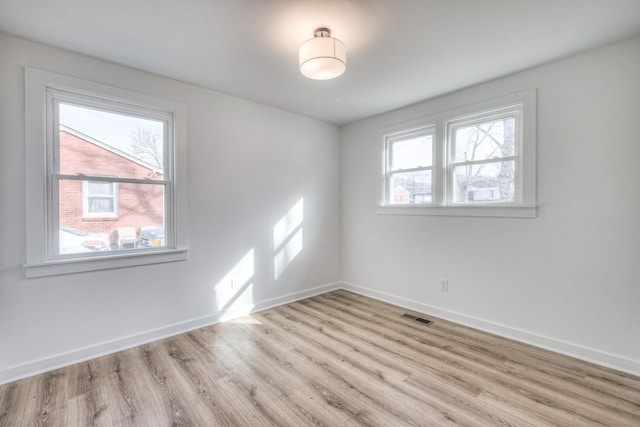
(335, 359)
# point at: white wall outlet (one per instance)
(233, 283)
(444, 285)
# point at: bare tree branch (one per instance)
(146, 144)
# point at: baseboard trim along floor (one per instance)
(35, 367)
(79, 355)
(559, 346)
(336, 359)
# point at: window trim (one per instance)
(394, 138)
(525, 204)
(38, 123)
(476, 118)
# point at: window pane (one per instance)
(75, 241)
(410, 187)
(100, 205)
(483, 183)
(101, 143)
(482, 141)
(100, 188)
(411, 153)
(139, 222)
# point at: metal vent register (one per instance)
(417, 319)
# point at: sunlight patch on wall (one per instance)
(287, 238)
(288, 253)
(234, 292)
(245, 320)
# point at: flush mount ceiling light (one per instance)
(322, 57)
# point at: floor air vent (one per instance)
(417, 319)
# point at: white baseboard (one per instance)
(46, 364)
(578, 351)
(599, 357)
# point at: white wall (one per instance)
(248, 164)
(568, 279)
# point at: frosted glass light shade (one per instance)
(323, 57)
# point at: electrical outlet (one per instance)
(233, 283)
(444, 285)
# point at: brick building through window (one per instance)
(104, 206)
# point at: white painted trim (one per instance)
(599, 357)
(397, 137)
(119, 259)
(497, 210)
(578, 351)
(61, 360)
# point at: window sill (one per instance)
(78, 265)
(500, 211)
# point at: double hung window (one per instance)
(119, 155)
(109, 173)
(475, 161)
(409, 166)
(483, 157)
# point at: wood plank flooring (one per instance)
(337, 359)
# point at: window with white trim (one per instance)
(474, 161)
(483, 162)
(409, 159)
(103, 165)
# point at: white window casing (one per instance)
(517, 200)
(422, 140)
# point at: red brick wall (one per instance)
(138, 204)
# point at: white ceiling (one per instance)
(398, 51)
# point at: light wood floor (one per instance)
(337, 359)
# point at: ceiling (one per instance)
(398, 51)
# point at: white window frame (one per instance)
(523, 105)
(86, 213)
(514, 111)
(397, 137)
(42, 135)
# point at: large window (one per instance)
(110, 176)
(121, 156)
(475, 161)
